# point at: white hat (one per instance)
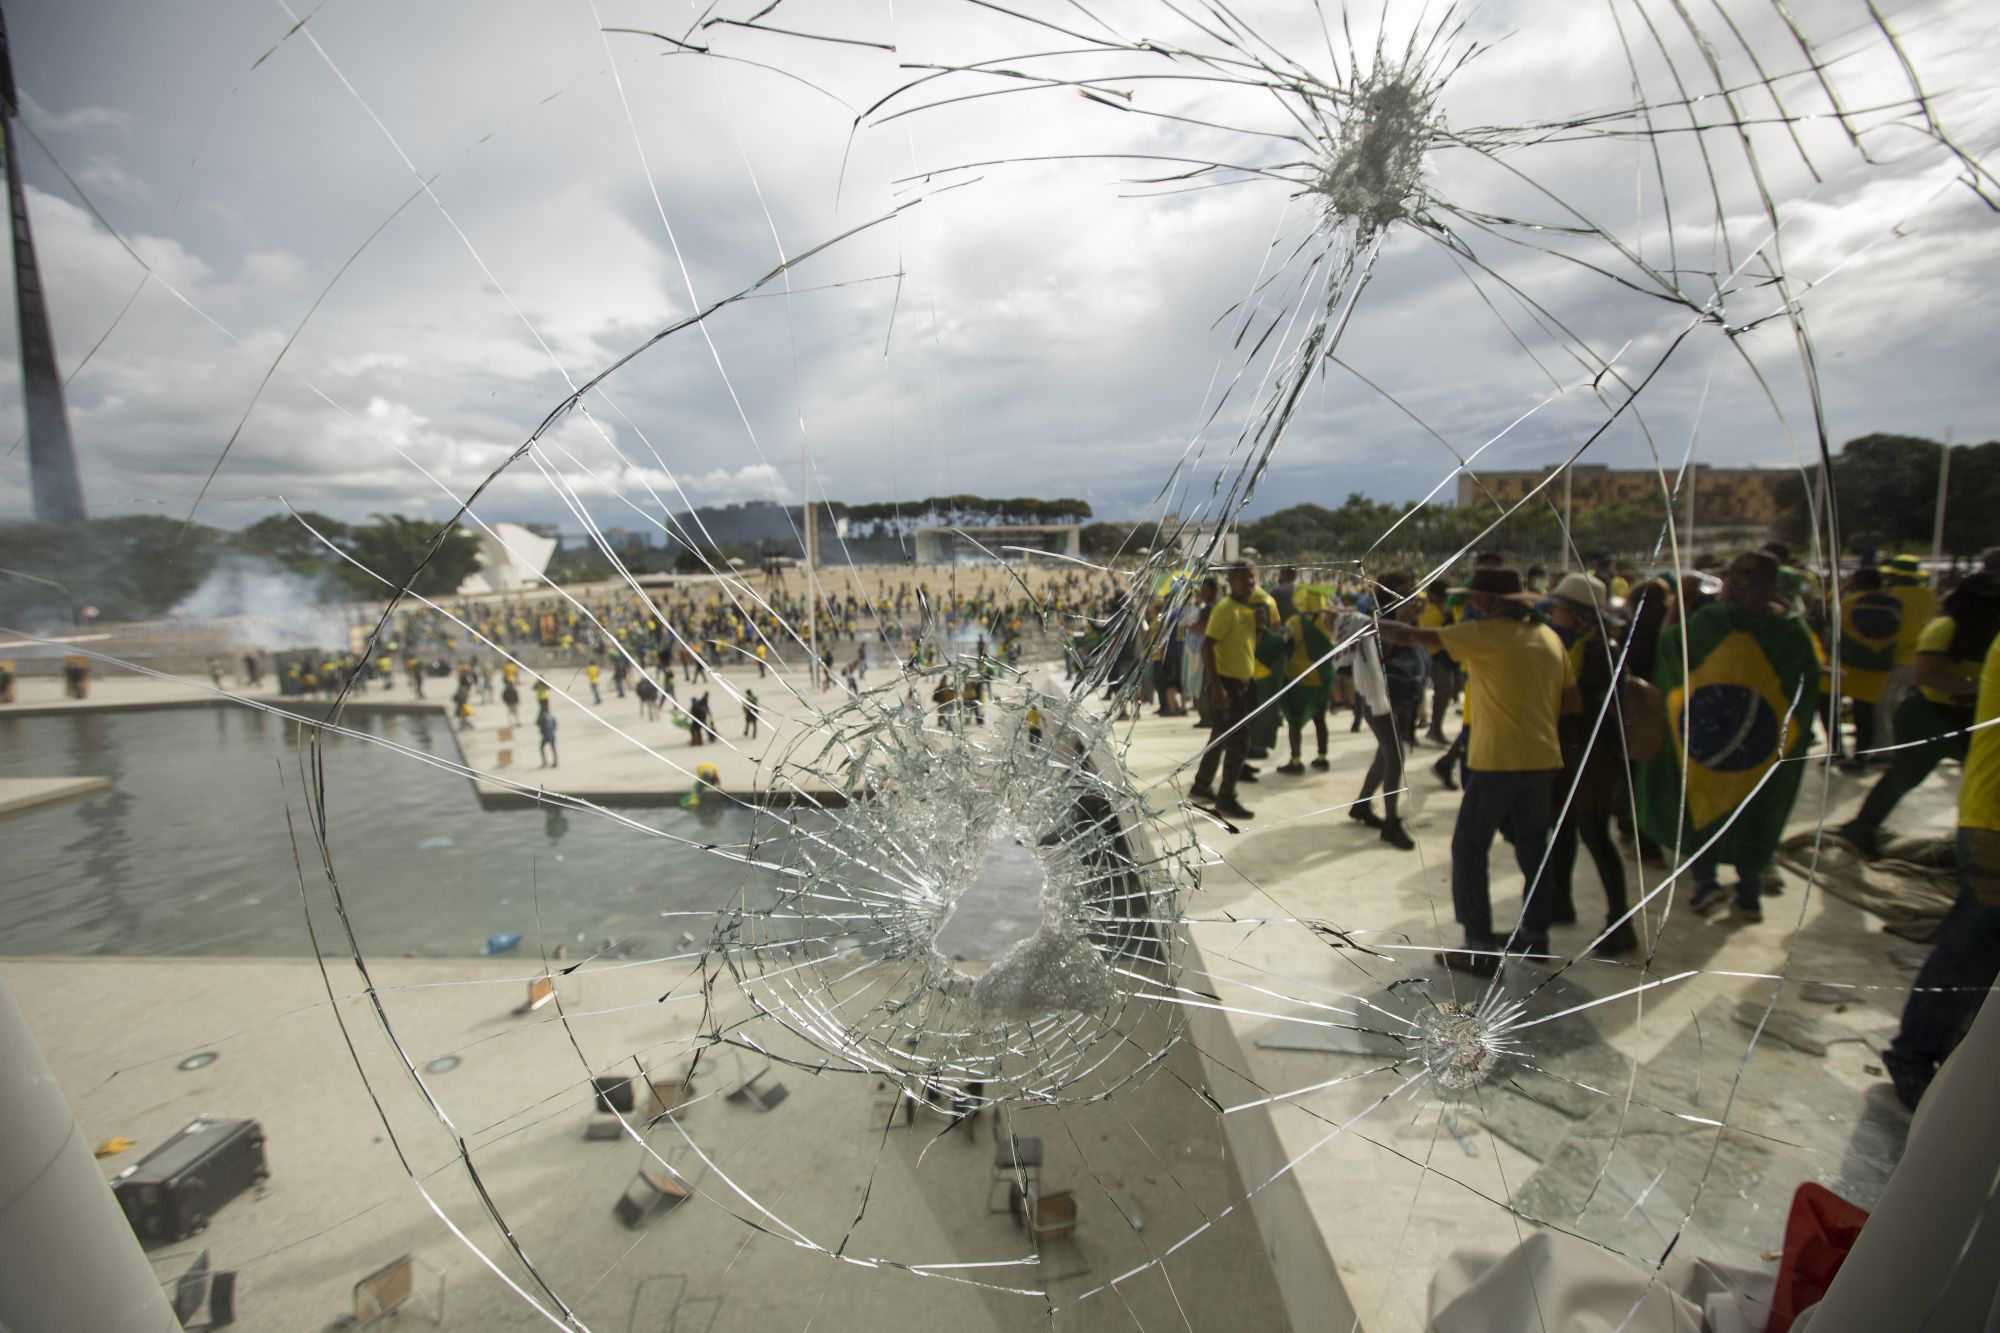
(1584, 591)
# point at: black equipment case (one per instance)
(178, 1186)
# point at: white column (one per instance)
(1931, 1249)
(68, 1258)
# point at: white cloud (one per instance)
(755, 481)
(76, 119)
(1051, 327)
(105, 178)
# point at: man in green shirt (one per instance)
(1229, 662)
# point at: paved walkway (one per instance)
(607, 751)
(27, 793)
(339, 1203)
(1603, 1129)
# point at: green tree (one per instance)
(130, 568)
(290, 541)
(1885, 494)
(416, 551)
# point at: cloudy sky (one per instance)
(433, 219)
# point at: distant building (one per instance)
(511, 558)
(1204, 540)
(1721, 496)
(941, 546)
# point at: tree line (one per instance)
(1885, 494)
(141, 566)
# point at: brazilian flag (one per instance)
(1306, 670)
(1870, 624)
(1743, 699)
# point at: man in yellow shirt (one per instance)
(1870, 621)
(1965, 956)
(1229, 662)
(1521, 682)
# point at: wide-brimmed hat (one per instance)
(1585, 593)
(1499, 581)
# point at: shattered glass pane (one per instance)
(936, 996)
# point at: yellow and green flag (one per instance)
(1741, 701)
(1870, 625)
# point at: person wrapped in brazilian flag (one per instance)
(1269, 676)
(1871, 623)
(1307, 674)
(1741, 680)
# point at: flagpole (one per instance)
(1944, 476)
(812, 594)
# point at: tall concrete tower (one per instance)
(51, 456)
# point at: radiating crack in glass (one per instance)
(928, 803)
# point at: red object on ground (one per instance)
(1819, 1234)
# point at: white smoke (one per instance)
(260, 604)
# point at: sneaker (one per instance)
(1709, 899)
(1443, 769)
(1248, 774)
(1483, 964)
(1201, 792)
(1363, 813)
(1251, 769)
(1533, 946)
(1294, 768)
(1320, 763)
(1233, 809)
(1621, 939)
(1746, 914)
(1774, 882)
(1394, 834)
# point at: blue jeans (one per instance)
(1952, 984)
(1524, 802)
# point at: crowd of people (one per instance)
(1670, 712)
(1647, 719)
(696, 626)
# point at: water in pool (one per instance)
(188, 853)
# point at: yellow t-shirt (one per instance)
(1232, 627)
(1936, 638)
(1979, 793)
(1919, 605)
(1519, 670)
(1268, 604)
